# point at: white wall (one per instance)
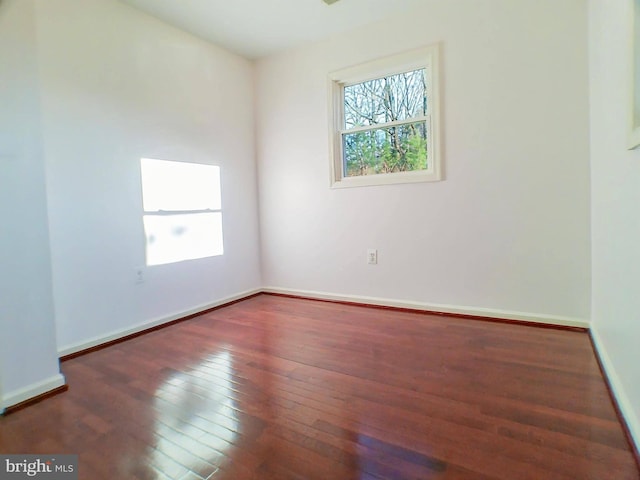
(615, 188)
(508, 229)
(118, 85)
(28, 358)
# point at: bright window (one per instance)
(384, 121)
(182, 210)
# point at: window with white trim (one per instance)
(182, 210)
(385, 121)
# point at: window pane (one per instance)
(173, 238)
(386, 150)
(174, 186)
(396, 97)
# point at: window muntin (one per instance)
(384, 121)
(182, 211)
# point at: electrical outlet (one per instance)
(139, 275)
(372, 256)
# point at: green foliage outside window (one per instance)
(386, 149)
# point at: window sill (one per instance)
(387, 179)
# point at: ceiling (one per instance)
(258, 28)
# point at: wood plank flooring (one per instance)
(281, 388)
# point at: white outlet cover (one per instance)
(139, 272)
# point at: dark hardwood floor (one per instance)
(281, 388)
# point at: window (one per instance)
(182, 210)
(384, 121)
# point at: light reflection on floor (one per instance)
(196, 419)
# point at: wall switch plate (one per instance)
(372, 256)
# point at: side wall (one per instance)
(28, 359)
(615, 202)
(118, 85)
(506, 231)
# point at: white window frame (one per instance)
(428, 58)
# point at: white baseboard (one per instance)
(617, 389)
(31, 391)
(477, 311)
(95, 341)
(436, 307)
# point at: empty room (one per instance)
(315, 239)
